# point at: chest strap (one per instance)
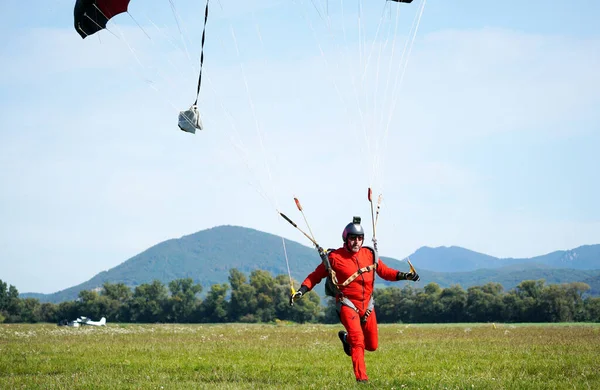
(355, 275)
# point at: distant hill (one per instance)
(208, 255)
(457, 259)
(511, 276)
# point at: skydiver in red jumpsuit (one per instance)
(354, 268)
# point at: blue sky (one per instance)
(484, 135)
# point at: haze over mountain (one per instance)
(208, 255)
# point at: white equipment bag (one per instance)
(189, 120)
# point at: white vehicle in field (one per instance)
(88, 321)
(83, 321)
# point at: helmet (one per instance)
(353, 228)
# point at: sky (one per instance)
(477, 122)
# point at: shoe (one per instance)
(362, 381)
(342, 335)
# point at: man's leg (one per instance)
(371, 333)
(351, 321)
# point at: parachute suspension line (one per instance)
(122, 38)
(202, 52)
(348, 115)
(350, 74)
(238, 145)
(181, 34)
(259, 131)
(359, 107)
(360, 91)
(376, 167)
(371, 137)
(299, 206)
(252, 108)
(362, 79)
(400, 76)
(317, 9)
(360, 37)
(287, 264)
(147, 80)
(136, 22)
(97, 25)
(361, 44)
(260, 137)
(173, 45)
(264, 153)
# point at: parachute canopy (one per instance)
(91, 16)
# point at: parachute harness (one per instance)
(332, 285)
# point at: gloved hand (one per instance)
(408, 276)
(293, 297)
(413, 276)
(298, 294)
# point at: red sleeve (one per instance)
(386, 272)
(315, 277)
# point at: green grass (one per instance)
(234, 356)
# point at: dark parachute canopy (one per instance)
(91, 16)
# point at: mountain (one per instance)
(208, 255)
(457, 259)
(511, 276)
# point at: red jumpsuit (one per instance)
(361, 336)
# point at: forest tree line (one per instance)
(260, 297)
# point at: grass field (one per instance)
(284, 356)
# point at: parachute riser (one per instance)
(374, 216)
(320, 250)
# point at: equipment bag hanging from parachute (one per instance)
(189, 120)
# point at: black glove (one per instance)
(413, 276)
(408, 276)
(298, 294)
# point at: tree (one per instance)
(30, 310)
(592, 309)
(264, 284)
(484, 303)
(116, 299)
(9, 303)
(214, 307)
(117, 291)
(454, 302)
(183, 300)
(148, 302)
(243, 301)
(528, 292)
(388, 304)
(428, 307)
